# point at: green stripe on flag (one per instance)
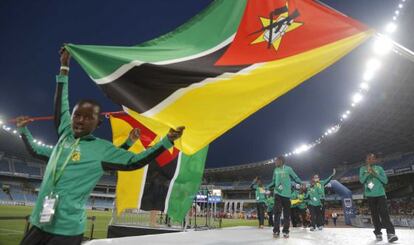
(221, 18)
(187, 184)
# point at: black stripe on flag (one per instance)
(145, 86)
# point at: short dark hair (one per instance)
(281, 158)
(90, 101)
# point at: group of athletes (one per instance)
(287, 198)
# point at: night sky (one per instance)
(33, 31)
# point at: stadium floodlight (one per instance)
(348, 112)
(1, 122)
(391, 27)
(368, 75)
(357, 98)
(344, 116)
(394, 18)
(353, 104)
(373, 64)
(39, 142)
(397, 12)
(364, 86)
(302, 148)
(15, 131)
(382, 45)
(34, 141)
(400, 6)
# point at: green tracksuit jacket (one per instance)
(282, 181)
(373, 183)
(89, 159)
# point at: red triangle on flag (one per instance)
(276, 29)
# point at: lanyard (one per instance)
(55, 158)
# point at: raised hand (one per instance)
(23, 121)
(134, 135)
(175, 134)
(64, 56)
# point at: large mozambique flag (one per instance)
(169, 184)
(221, 66)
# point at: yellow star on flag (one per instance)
(276, 42)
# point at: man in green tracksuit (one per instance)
(260, 194)
(75, 165)
(270, 203)
(321, 184)
(281, 183)
(313, 197)
(373, 178)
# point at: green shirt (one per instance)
(373, 183)
(89, 159)
(282, 180)
(314, 195)
(270, 202)
(322, 183)
(260, 193)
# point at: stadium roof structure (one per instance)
(382, 123)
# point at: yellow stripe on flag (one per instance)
(130, 184)
(212, 108)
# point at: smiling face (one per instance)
(85, 118)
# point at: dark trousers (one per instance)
(334, 221)
(36, 236)
(316, 216)
(260, 212)
(325, 221)
(270, 214)
(295, 216)
(302, 213)
(281, 204)
(379, 214)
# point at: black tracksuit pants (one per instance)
(379, 214)
(281, 204)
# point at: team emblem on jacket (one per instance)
(76, 156)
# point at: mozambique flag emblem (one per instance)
(221, 66)
(274, 29)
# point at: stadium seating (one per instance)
(4, 196)
(399, 162)
(23, 167)
(4, 165)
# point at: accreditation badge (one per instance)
(48, 209)
(371, 185)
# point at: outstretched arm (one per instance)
(327, 180)
(62, 114)
(134, 135)
(294, 176)
(36, 150)
(120, 159)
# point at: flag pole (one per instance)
(49, 118)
